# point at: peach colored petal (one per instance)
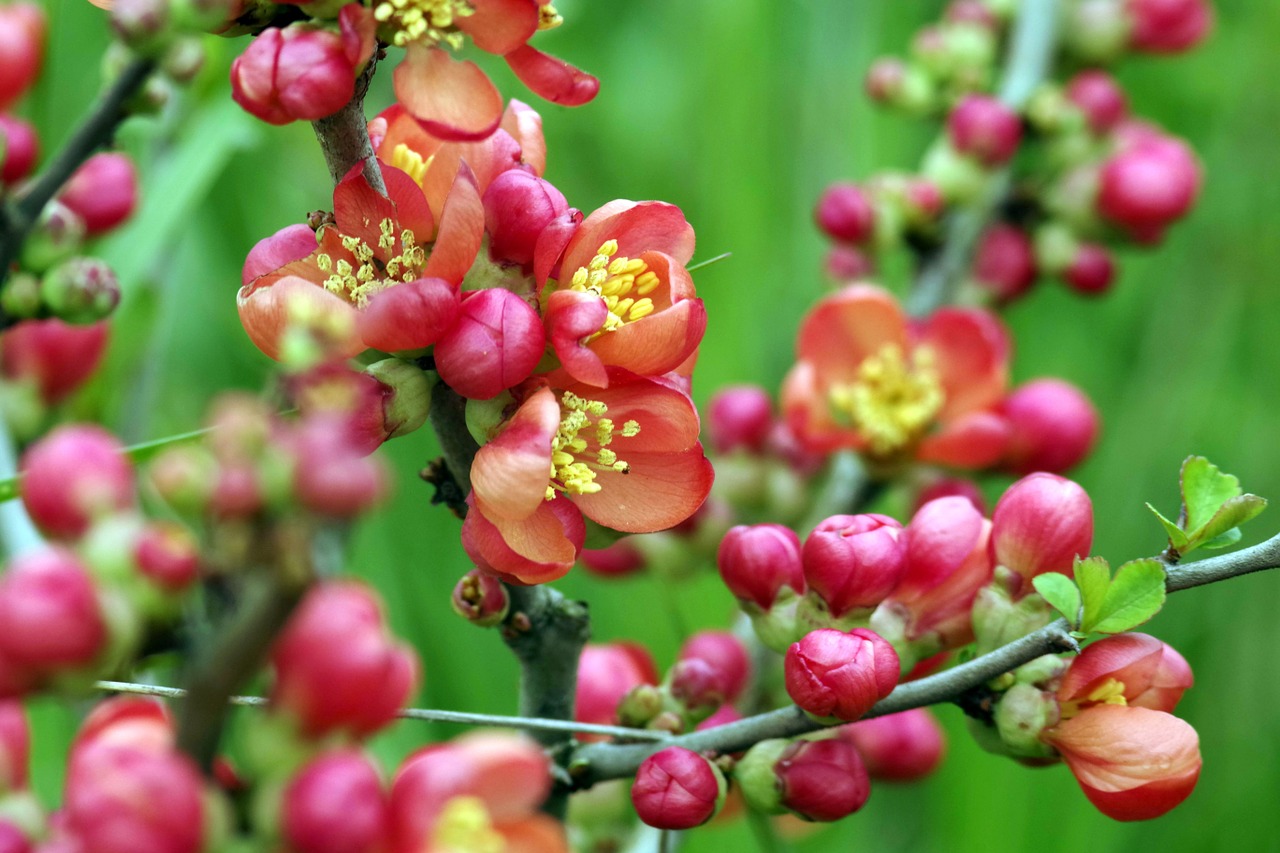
(845, 328)
(668, 419)
(452, 99)
(972, 351)
(570, 317)
(461, 230)
(525, 126)
(638, 226)
(975, 440)
(532, 550)
(510, 474)
(661, 490)
(500, 26)
(1131, 659)
(264, 313)
(553, 79)
(656, 344)
(806, 412)
(510, 773)
(536, 834)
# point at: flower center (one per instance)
(1109, 692)
(622, 283)
(464, 824)
(893, 400)
(411, 162)
(573, 463)
(369, 271)
(426, 21)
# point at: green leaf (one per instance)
(1061, 593)
(1177, 538)
(1223, 528)
(1135, 595)
(1204, 490)
(1093, 577)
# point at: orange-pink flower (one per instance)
(870, 379)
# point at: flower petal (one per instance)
(551, 78)
(975, 440)
(452, 99)
(461, 230)
(661, 490)
(846, 328)
(265, 313)
(500, 26)
(638, 226)
(510, 474)
(570, 317)
(409, 316)
(539, 548)
(525, 126)
(972, 351)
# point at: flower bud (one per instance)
(1091, 270)
(947, 487)
(697, 686)
(481, 599)
(103, 191)
(185, 478)
(619, 559)
(1004, 611)
(333, 475)
(758, 562)
(55, 357)
(1005, 263)
(59, 234)
(822, 780)
(606, 674)
(740, 417)
(337, 667)
(14, 840)
(291, 74)
(902, 747)
(143, 25)
(81, 290)
(831, 674)
(50, 611)
(19, 147)
(1168, 26)
(494, 345)
(1053, 426)
(183, 60)
(1097, 94)
(852, 562)
(22, 37)
(1021, 716)
(335, 804)
(677, 789)
(168, 555)
(1041, 524)
(846, 264)
(985, 129)
(406, 395)
(15, 747)
(1144, 671)
(1095, 30)
(893, 82)
(844, 213)
(517, 207)
(75, 474)
(1149, 184)
(727, 657)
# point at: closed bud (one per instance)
(1168, 26)
(821, 780)
(185, 478)
(333, 475)
(335, 804)
(103, 191)
(985, 129)
(1053, 426)
(55, 357)
(1021, 716)
(19, 148)
(1041, 524)
(183, 60)
(677, 789)
(619, 559)
(1097, 94)
(14, 840)
(740, 418)
(641, 706)
(1004, 611)
(727, 657)
(81, 290)
(59, 234)
(298, 73)
(50, 611)
(168, 555)
(606, 674)
(902, 747)
(947, 487)
(143, 25)
(75, 474)
(847, 264)
(1005, 262)
(696, 685)
(494, 345)
(831, 674)
(1148, 185)
(517, 207)
(897, 84)
(22, 37)
(405, 395)
(760, 562)
(852, 562)
(846, 214)
(481, 599)
(1096, 30)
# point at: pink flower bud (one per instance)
(1097, 94)
(1149, 184)
(758, 561)
(845, 214)
(15, 747)
(495, 344)
(81, 290)
(852, 562)
(847, 264)
(481, 599)
(56, 357)
(103, 191)
(19, 145)
(134, 721)
(50, 611)
(1091, 270)
(1041, 524)
(14, 840)
(822, 780)
(885, 79)
(75, 474)
(337, 668)
(168, 555)
(291, 74)
(833, 674)
(726, 655)
(619, 559)
(1053, 426)
(677, 789)
(22, 36)
(517, 207)
(902, 747)
(985, 129)
(335, 804)
(1168, 26)
(946, 487)
(1005, 262)
(333, 475)
(606, 674)
(740, 416)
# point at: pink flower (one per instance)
(1042, 523)
(833, 674)
(677, 789)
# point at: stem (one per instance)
(344, 137)
(448, 418)
(18, 217)
(1031, 49)
(767, 840)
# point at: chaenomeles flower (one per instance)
(627, 457)
(1133, 759)
(371, 282)
(870, 379)
(455, 99)
(623, 297)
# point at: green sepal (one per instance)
(1062, 595)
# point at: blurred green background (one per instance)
(740, 111)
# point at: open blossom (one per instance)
(454, 99)
(372, 276)
(627, 457)
(1133, 759)
(623, 297)
(870, 379)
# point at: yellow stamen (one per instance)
(892, 401)
(427, 22)
(1109, 692)
(411, 162)
(618, 281)
(548, 17)
(373, 271)
(464, 825)
(573, 464)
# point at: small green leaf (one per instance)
(1204, 490)
(1062, 595)
(1093, 576)
(1177, 538)
(1223, 528)
(1135, 595)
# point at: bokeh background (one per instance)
(740, 111)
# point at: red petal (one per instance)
(359, 209)
(453, 100)
(805, 409)
(551, 243)
(551, 78)
(638, 226)
(409, 316)
(972, 351)
(525, 126)
(571, 316)
(412, 210)
(461, 230)
(976, 440)
(536, 549)
(359, 33)
(510, 474)
(1131, 659)
(500, 26)
(662, 490)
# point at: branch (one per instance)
(597, 762)
(344, 137)
(448, 418)
(1030, 50)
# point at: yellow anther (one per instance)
(642, 308)
(647, 283)
(548, 17)
(430, 22)
(893, 401)
(464, 824)
(573, 463)
(411, 163)
(324, 262)
(630, 429)
(1110, 692)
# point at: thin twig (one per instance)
(344, 137)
